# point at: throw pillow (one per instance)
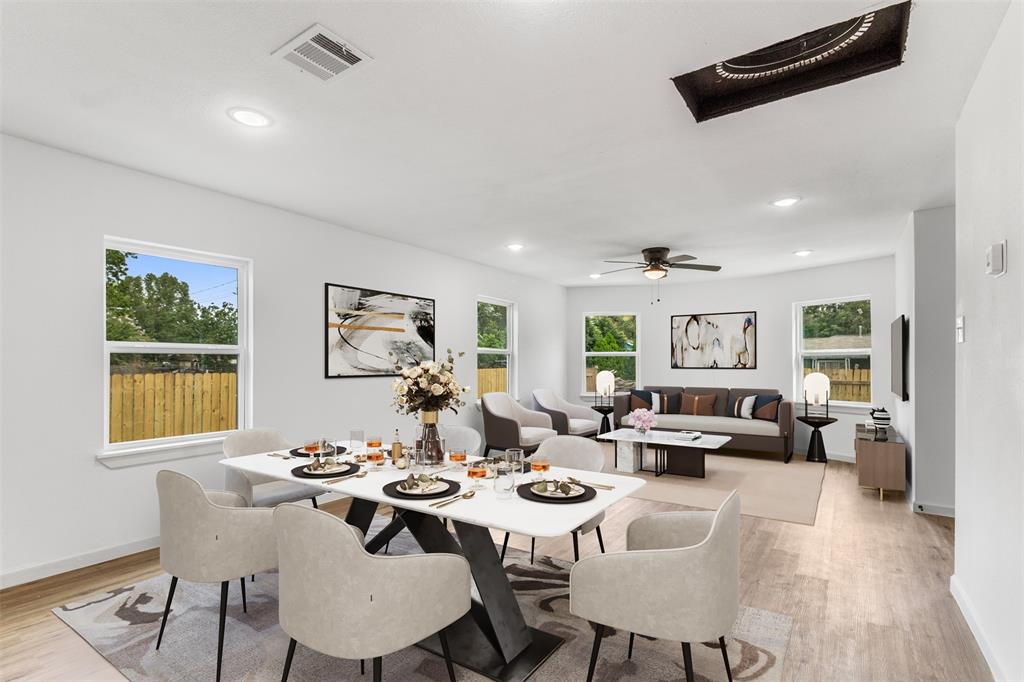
(672, 403)
(743, 408)
(701, 405)
(648, 400)
(767, 407)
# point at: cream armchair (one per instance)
(678, 580)
(210, 537)
(567, 419)
(460, 438)
(507, 424)
(262, 491)
(379, 609)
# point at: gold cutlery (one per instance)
(463, 496)
(602, 486)
(282, 455)
(437, 503)
(345, 478)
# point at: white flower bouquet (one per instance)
(428, 387)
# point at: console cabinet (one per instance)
(881, 459)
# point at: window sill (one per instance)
(116, 457)
(835, 406)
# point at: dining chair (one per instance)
(572, 452)
(460, 438)
(507, 424)
(262, 491)
(678, 580)
(337, 599)
(210, 536)
(566, 418)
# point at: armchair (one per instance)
(507, 424)
(262, 491)
(693, 560)
(567, 419)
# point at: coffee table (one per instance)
(672, 455)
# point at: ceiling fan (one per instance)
(657, 263)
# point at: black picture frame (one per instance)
(672, 339)
(363, 292)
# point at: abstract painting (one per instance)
(719, 340)
(367, 331)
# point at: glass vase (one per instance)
(433, 448)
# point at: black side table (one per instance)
(605, 410)
(816, 448)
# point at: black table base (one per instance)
(816, 447)
(678, 461)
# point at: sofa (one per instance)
(747, 434)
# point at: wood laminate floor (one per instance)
(867, 587)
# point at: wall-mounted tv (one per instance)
(899, 336)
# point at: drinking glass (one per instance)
(477, 471)
(504, 481)
(311, 446)
(539, 465)
(374, 441)
(457, 456)
(356, 441)
(514, 458)
(375, 456)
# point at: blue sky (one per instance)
(207, 283)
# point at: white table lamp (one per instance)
(816, 390)
(604, 383)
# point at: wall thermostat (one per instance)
(995, 259)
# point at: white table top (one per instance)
(516, 515)
(706, 441)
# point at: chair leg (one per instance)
(377, 669)
(362, 666)
(600, 539)
(447, 654)
(575, 546)
(598, 634)
(533, 546)
(725, 657)
(253, 579)
(288, 660)
(167, 609)
(504, 546)
(220, 629)
(315, 505)
(688, 662)
(487, 448)
(629, 654)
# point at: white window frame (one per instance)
(511, 334)
(174, 447)
(799, 353)
(584, 353)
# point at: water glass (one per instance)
(514, 459)
(356, 440)
(504, 481)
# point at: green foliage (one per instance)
(491, 325)
(613, 334)
(849, 318)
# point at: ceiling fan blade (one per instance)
(694, 266)
(626, 262)
(681, 258)
(637, 267)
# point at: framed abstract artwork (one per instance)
(366, 332)
(718, 340)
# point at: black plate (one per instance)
(352, 468)
(391, 490)
(527, 494)
(297, 452)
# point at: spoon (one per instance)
(594, 485)
(282, 455)
(463, 496)
(345, 478)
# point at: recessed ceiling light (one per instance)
(595, 275)
(514, 247)
(803, 253)
(785, 202)
(249, 117)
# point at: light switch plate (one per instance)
(995, 259)
(960, 329)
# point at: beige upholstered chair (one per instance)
(693, 558)
(210, 537)
(571, 452)
(460, 438)
(507, 424)
(381, 608)
(567, 419)
(262, 491)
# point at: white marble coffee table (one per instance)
(672, 454)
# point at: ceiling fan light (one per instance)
(655, 271)
(595, 275)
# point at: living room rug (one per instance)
(768, 487)
(122, 625)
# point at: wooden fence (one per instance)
(853, 385)
(171, 404)
(490, 379)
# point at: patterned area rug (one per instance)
(122, 626)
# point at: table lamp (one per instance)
(604, 384)
(816, 390)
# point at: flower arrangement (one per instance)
(428, 387)
(643, 420)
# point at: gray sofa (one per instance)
(746, 434)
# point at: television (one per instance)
(898, 338)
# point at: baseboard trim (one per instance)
(967, 609)
(40, 571)
(838, 456)
(929, 508)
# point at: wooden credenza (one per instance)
(881, 459)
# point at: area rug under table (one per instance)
(122, 625)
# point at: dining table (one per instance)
(493, 638)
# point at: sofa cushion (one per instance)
(767, 407)
(703, 405)
(535, 435)
(581, 426)
(721, 395)
(645, 400)
(726, 425)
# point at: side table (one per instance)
(605, 410)
(816, 448)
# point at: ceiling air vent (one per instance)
(321, 53)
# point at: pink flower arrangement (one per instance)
(643, 420)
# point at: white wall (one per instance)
(988, 582)
(56, 209)
(772, 297)
(924, 291)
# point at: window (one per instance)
(610, 342)
(495, 346)
(834, 337)
(176, 343)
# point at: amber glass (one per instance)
(373, 441)
(540, 465)
(375, 456)
(457, 456)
